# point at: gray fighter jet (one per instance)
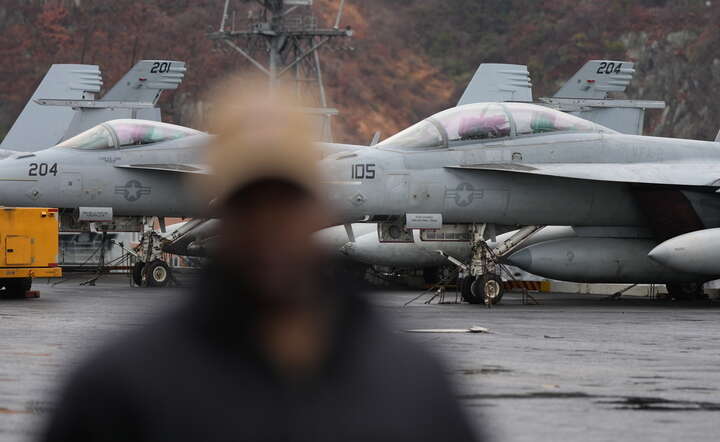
(70, 150)
(64, 105)
(519, 164)
(92, 168)
(584, 95)
(112, 178)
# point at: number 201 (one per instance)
(160, 68)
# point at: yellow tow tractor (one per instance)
(30, 238)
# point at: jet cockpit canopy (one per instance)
(478, 122)
(126, 133)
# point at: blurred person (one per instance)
(273, 343)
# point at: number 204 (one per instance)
(42, 169)
(609, 68)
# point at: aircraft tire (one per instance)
(137, 273)
(686, 292)
(494, 288)
(465, 286)
(490, 285)
(158, 274)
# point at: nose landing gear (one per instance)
(484, 289)
(151, 270)
(489, 288)
(481, 282)
(155, 274)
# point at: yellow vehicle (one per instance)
(30, 238)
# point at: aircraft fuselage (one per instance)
(377, 183)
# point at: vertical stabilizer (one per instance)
(494, 82)
(586, 95)
(39, 126)
(134, 96)
(146, 80)
(596, 78)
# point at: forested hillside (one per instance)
(410, 58)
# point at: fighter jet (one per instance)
(111, 178)
(519, 164)
(584, 95)
(65, 153)
(77, 177)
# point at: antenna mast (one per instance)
(281, 38)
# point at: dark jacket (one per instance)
(196, 375)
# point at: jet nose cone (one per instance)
(521, 258)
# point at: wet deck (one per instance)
(574, 368)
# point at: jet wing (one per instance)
(673, 174)
(166, 167)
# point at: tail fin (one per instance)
(596, 78)
(146, 80)
(498, 82)
(40, 126)
(134, 96)
(585, 95)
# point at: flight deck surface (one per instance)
(577, 367)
